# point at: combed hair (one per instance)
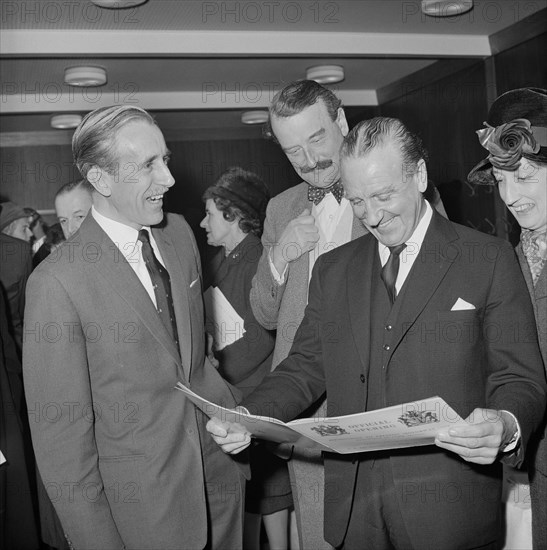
(296, 97)
(94, 140)
(67, 187)
(378, 131)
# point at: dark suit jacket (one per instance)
(117, 447)
(538, 454)
(15, 268)
(486, 357)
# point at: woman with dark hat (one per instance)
(515, 135)
(235, 210)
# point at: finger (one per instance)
(216, 428)
(236, 447)
(489, 441)
(482, 455)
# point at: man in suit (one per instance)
(303, 222)
(111, 326)
(452, 319)
(309, 123)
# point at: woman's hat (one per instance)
(516, 127)
(9, 212)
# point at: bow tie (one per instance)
(317, 194)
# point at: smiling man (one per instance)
(418, 307)
(111, 326)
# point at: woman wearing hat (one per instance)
(515, 135)
(235, 210)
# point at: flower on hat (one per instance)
(507, 143)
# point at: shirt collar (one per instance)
(417, 237)
(124, 236)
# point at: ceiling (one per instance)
(199, 64)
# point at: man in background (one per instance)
(72, 203)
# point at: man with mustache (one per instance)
(309, 123)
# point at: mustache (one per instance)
(321, 165)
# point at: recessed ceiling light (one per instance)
(85, 76)
(254, 117)
(62, 122)
(446, 8)
(325, 74)
(117, 4)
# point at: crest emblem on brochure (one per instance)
(417, 418)
(325, 430)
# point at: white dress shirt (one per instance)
(126, 240)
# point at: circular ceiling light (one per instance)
(117, 4)
(63, 122)
(325, 74)
(446, 8)
(85, 76)
(254, 117)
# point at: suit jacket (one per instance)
(276, 306)
(15, 268)
(538, 452)
(117, 447)
(485, 357)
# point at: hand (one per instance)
(479, 442)
(230, 436)
(210, 353)
(300, 236)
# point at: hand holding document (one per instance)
(228, 324)
(406, 425)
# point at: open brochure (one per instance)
(406, 425)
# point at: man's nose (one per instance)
(310, 160)
(166, 178)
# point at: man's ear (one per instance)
(421, 175)
(342, 122)
(101, 181)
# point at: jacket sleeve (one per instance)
(266, 293)
(516, 378)
(61, 414)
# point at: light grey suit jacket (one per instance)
(117, 447)
(276, 306)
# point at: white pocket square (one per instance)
(462, 305)
(194, 282)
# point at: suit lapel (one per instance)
(179, 291)
(114, 269)
(429, 269)
(359, 297)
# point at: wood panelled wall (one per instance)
(445, 114)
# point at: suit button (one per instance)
(386, 347)
(362, 378)
(388, 327)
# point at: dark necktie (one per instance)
(162, 286)
(391, 270)
(317, 194)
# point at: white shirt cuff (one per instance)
(515, 439)
(279, 279)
